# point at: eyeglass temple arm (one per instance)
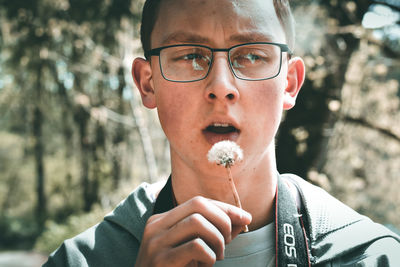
(152, 52)
(285, 48)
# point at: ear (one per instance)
(143, 78)
(295, 79)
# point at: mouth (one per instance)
(221, 128)
(218, 131)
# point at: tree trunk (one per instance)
(146, 142)
(81, 118)
(37, 124)
(120, 133)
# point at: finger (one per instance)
(236, 230)
(195, 250)
(231, 217)
(237, 215)
(193, 226)
(239, 219)
(192, 264)
(200, 205)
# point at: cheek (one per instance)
(174, 109)
(267, 107)
(267, 99)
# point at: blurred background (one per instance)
(75, 139)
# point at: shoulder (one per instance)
(325, 214)
(113, 242)
(96, 246)
(383, 252)
(338, 233)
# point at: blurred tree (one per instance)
(341, 133)
(335, 30)
(34, 61)
(61, 59)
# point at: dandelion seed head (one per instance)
(225, 153)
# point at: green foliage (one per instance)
(67, 139)
(56, 233)
(16, 174)
(17, 232)
(343, 132)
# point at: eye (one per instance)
(245, 57)
(193, 56)
(252, 57)
(248, 59)
(187, 55)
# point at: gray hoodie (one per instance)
(338, 236)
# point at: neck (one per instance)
(255, 182)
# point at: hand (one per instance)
(192, 234)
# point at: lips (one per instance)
(221, 128)
(219, 131)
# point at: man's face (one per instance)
(194, 115)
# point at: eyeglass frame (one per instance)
(157, 52)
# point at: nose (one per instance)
(221, 83)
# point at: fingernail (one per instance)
(246, 215)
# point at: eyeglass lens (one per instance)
(190, 63)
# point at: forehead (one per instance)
(218, 23)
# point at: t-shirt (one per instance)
(252, 249)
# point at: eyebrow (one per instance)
(186, 37)
(251, 36)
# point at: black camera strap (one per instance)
(291, 243)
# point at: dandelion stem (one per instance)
(235, 193)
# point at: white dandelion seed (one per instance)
(226, 153)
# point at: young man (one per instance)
(223, 70)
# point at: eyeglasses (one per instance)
(249, 61)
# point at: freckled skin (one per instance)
(186, 109)
(183, 107)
